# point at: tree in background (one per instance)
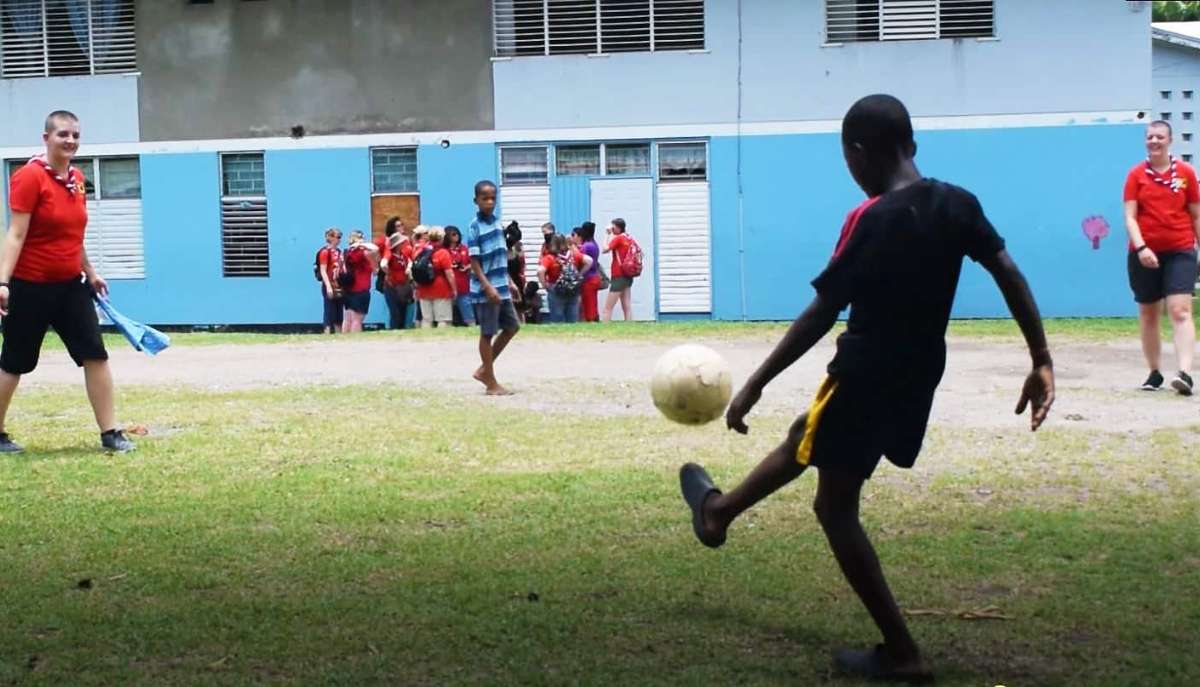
(1176, 10)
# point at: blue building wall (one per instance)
(446, 179)
(797, 193)
(788, 74)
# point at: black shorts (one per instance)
(852, 424)
(1176, 275)
(358, 301)
(34, 307)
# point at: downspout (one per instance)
(740, 216)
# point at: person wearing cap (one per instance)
(399, 290)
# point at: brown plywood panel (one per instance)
(406, 207)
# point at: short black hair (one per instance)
(1162, 122)
(390, 227)
(482, 184)
(587, 231)
(879, 123)
(620, 224)
(59, 114)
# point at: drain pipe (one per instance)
(740, 216)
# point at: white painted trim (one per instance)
(547, 135)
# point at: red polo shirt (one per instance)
(1162, 208)
(53, 249)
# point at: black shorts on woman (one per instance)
(34, 307)
(1174, 276)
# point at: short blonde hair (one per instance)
(356, 234)
(420, 229)
(437, 234)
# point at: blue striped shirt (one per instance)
(485, 241)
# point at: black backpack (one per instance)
(345, 271)
(422, 267)
(317, 265)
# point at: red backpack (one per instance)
(631, 261)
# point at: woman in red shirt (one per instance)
(1162, 216)
(398, 284)
(46, 279)
(564, 298)
(460, 261)
(362, 259)
(620, 286)
(437, 297)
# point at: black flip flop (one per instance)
(876, 666)
(696, 486)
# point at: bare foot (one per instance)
(497, 390)
(478, 376)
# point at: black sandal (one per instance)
(697, 486)
(876, 666)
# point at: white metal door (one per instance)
(633, 201)
(684, 248)
(529, 206)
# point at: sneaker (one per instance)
(115, 440)
(1153, 382)
(1182, 383)
(7, 445)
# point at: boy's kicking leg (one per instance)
(717, 510)
(492, 317)
(898, 658)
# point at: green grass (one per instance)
(1073, 329)
(375, 536)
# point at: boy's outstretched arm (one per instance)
(812, 324)
(1038, 389)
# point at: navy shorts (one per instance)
(358, 301)
(35, 307)
(496, 317)
(1176, 275)
(851, 424)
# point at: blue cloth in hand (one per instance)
(143, 337)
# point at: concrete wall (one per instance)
(107, 107)
(1176, 70)
(787, 74)
(238, 69)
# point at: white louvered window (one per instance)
(567, 27)
(244, 240)
(849, 21)
(66, 38)
(113, 240)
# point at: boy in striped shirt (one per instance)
(490, 289)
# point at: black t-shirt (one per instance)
(896, 266)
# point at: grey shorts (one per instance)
(495, 317)
(619, 284)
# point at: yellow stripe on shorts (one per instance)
(804, 450)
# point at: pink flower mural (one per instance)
(1095, 228)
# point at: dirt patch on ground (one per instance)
(1097, 382)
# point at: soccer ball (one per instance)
(691, 384)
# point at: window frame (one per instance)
(545, 147)
(658, 168)
(500, 52)
(880, 35)
(21, 47)
(416, 191)
(225, 198)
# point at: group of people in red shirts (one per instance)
(426, 265)
(430, 266)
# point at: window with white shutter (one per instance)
(66, 38)
(565, 27)
(848, 21)
(114, 239)
(244, 239)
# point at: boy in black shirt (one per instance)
(896, 265)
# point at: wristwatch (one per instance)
(1140, 248)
